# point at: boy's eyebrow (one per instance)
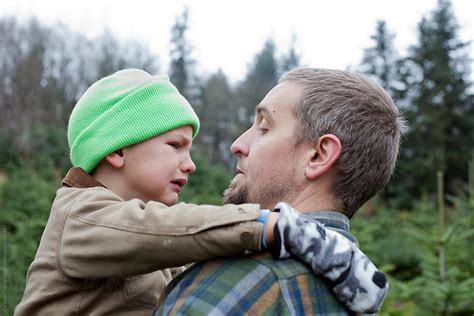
(182, 138)
(186, 139)
(261, 109)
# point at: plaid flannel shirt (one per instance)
(255, 284)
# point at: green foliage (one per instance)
(381, 236)
(51, 148)
(430, 268)
(206, 184)
(9, 157)
(446, 284)
(26, 197)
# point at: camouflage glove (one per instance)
(356, 281)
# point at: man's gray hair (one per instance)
(364, 118)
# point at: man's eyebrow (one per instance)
(260, 109)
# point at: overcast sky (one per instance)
(227, 34)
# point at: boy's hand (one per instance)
(355, 280)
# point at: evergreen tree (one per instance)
(441, 113)
(382, 63)
(218, 117)
(261, 77)
(291, 59)
(181, 61)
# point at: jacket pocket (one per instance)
(145, 289)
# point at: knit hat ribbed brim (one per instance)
(123, 109)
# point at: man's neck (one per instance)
(314, 199)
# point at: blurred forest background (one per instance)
(418, 230)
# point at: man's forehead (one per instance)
(281, 100)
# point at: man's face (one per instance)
(267, 168)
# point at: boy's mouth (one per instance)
(178, 184)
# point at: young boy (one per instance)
(116, 237)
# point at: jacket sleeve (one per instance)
(104, 236)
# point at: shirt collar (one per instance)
(333, 220)
(77, 178)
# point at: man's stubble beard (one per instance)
(236, 195)
(267, 195)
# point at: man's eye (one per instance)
(262, 130)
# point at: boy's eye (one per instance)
(175, 145)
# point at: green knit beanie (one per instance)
(125, 108)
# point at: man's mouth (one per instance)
(239, 174)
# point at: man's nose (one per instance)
(241, 145)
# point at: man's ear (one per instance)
(326, 151)
(116, 159)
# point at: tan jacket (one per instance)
(100, 254)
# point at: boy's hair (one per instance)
(122, 109)
(364, 118)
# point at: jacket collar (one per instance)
(77, 178)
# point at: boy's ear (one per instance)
(116, 159)
(325, 153)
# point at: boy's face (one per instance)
(157, 168)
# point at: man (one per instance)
(324, 141)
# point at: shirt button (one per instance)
(246, 238)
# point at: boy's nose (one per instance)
(188, 166)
